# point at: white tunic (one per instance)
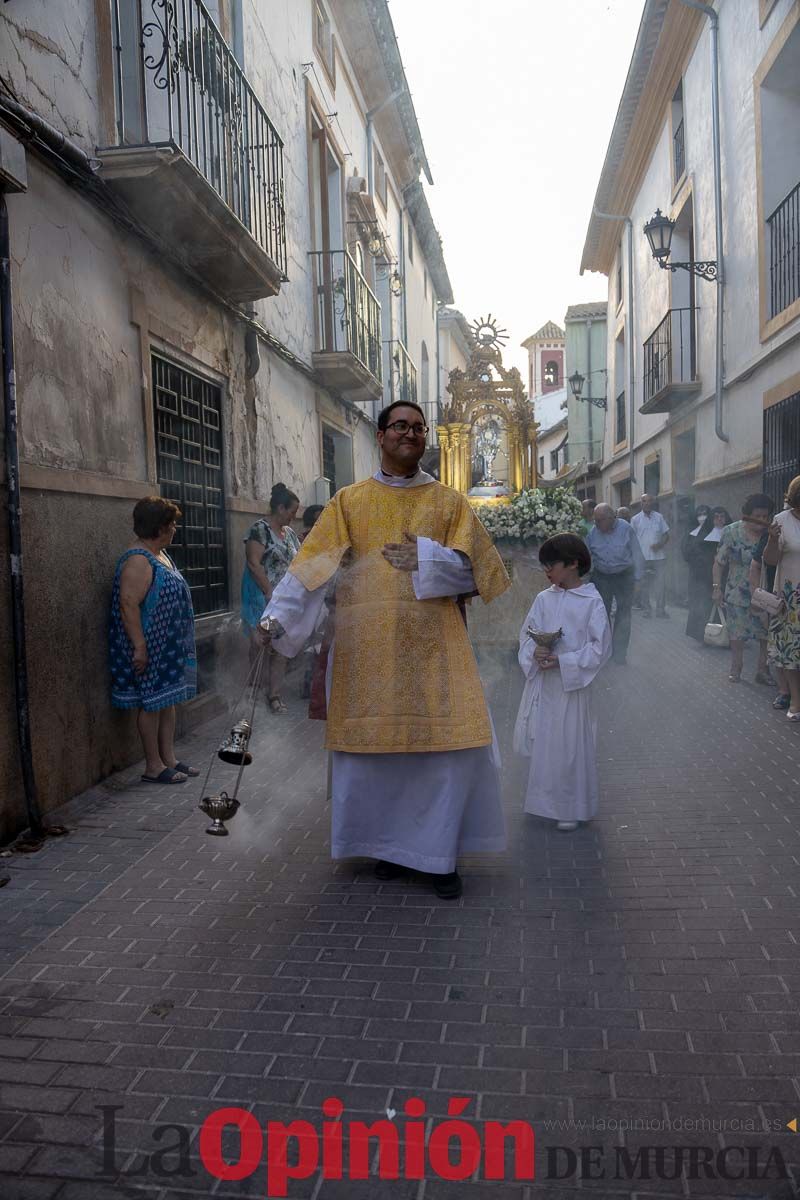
(555, 726)
(418, 810)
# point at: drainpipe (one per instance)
(37, 830)
(715, 133)
(402, 266)
(370, 156)
(237, 20)
(252, 349)
(591, 406)
(438, 368)
(53, 138)
(631, 348)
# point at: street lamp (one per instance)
(576, 382)
(658, 231)
(376, 244)
(396, 283)
(371, 233)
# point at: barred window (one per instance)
(781, 447)
(188, 420)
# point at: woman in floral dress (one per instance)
(270, 547)
(735, 552)
(783, 551)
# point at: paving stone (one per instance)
(644, 965)
(12, 1187)
(66, 1130)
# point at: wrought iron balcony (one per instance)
(784, 253)
(678, 152)
(348, 327)
(197, 159)
(404, 374)
(670, 367)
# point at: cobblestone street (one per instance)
(644, 968)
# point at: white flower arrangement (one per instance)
(536, 514)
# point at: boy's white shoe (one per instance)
(567, 826)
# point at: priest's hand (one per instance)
(268, 629)
(404, 555)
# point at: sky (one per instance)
(516, 100)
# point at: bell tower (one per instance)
(546, 352)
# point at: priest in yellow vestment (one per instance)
(415, 768)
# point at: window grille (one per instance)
(329, 458)
(622, 428)
(781, 447)
(188, 420)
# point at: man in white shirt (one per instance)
(653, 534)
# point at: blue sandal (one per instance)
(166, 776)
(192, 772)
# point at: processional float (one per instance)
(489, 415)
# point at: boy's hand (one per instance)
(545, 658)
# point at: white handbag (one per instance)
(767, 602)
(716, 632)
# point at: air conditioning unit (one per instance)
(322, 490)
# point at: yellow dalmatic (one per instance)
(404, 674)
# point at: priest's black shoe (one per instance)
(388, 870)
(449, 886)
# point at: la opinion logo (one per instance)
(453, 1150)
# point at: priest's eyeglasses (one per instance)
(402, 427)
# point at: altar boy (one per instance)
(556, 727)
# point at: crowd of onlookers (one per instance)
(743, 581)
(743, 586)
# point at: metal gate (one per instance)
(188, 416)
(781, 447)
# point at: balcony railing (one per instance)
(621, 422)
(405, 374)
(784, 253)
(179, 88)
(348, 324)
(669, 354)
(679, 151)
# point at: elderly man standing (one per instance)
(617, 567)
(587, 516)
(653, 533)
(414, 771)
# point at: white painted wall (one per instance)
(549, 441)
(75, 270)
(750, 367)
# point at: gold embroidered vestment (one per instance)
(404, 674)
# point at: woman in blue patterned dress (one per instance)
(270, 547)
(151, 638)
(736, 548)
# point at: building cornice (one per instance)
(668, 33)
(454, 320)
(580, 313)
(367, 33)
(429, 239)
